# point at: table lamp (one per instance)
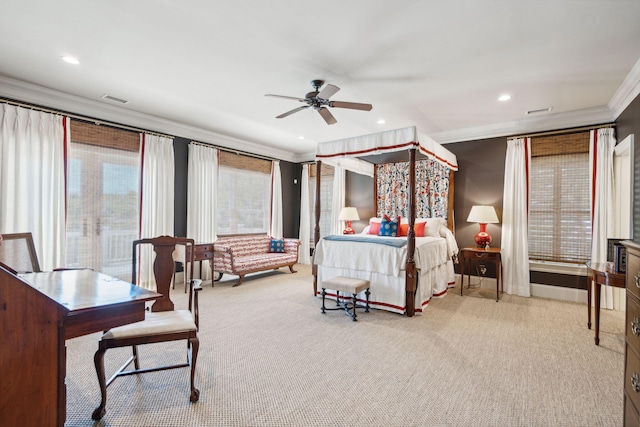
(483, 215)
(348, 215)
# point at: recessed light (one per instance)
(301, 137)
(504, 97)
(381, 121)
(70, 59)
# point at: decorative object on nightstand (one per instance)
(483, 215)
(348, 214)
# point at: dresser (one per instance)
(632, 337)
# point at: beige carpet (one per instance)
(268, 357)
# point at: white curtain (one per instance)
(32, 181)
(202, 184)
(515, 222)
(276, 200)
(601, 150)
(158, 175)
(337, 201)
(305, 219)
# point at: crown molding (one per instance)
(544, 122)
(57, 100)
(627, 92)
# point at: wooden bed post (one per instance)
(316, 229)
(410, 270)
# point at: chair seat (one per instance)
(158, 323)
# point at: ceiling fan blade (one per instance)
(287, 97)
(327, 116)
(288, 113)
(328, 91)
(351, 105)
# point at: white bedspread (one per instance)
(430, 252)
(384, 267)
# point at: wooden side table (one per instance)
(600, 273)
(480, 254)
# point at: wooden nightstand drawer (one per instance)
(632, 377)
(632, 318)
(633, 274)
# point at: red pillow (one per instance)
(418, 227)
(374, 227)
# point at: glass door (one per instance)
(102, 208)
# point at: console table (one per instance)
(38, 312)
(600, 273)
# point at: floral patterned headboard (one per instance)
(432, 189)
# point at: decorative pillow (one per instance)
(374, 226)
(389, 227)
(276, 245)
(433, 226)
(418, 227)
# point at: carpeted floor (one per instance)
(268, 357)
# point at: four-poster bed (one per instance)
(369, 255)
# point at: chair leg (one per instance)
(195, 345)
(291, 269)
(98, 360)
(136, 363)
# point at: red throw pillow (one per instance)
(374, 227)
(418, 227)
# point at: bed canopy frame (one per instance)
(348, 153)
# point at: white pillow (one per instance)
(433, 226)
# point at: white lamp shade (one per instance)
(349, 214)
(483, 215)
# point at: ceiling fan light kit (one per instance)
(319, 100)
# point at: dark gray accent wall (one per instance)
(359, 194)
(626, 124)
(291, 174)
(181, 159)
(478, 181)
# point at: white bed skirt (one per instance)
(388, 292)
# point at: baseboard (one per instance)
(537, 290)
(559, 293)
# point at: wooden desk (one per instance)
(202, 252)
(480, 254)
(600, 274)
(38, 312)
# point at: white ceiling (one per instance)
(200, 68)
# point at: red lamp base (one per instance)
(348, 230)
(483, 239)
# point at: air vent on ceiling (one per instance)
(114, 99)
(538, 111)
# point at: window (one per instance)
(559, 205)
(102, 198)
(244, 195)
(326, 191)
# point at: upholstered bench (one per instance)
(346, 285)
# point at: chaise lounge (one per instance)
(251, 253)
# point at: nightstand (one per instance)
(480, 254)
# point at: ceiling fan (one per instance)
(319, 100)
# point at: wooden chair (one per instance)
(162, 324)
(18, 252)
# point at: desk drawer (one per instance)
(633, 274)
(632, 376)
(632, 318)
(204, 252)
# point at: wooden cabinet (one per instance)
(32, 360)
(632, 337)
(38, 312)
